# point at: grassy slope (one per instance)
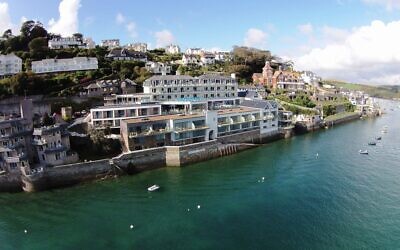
(387, 92)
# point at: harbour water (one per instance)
(309, 192)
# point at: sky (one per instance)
(352, 40)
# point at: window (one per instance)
(57, 156)
(43, 157)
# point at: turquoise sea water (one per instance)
(338, 200)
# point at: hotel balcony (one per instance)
(149, 132)
(189, 129)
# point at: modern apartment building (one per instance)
(111, 115)
(164, 130)
(180, 87)
(64, 65)
(10, 64)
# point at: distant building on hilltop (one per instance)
(110, 43)
(139, 47)
(172, 49)
(194, 51)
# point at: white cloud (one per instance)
(306, 29)
(68, 22)
(5, 20)
(333, 35)
(131, 28)
(369, 54)
(388, 4)
(164, 38)
(255, 38)
(120, 19)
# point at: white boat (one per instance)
(363, 152)
(153, 188)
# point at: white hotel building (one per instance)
(183, 87)
(64, 65)
(71, 42)
(10, 64)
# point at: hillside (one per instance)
(383, 91)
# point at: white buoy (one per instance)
(131, 226)
(25, 231)
(263, 178)
(198, 206)
(188, 209)
(317, 155)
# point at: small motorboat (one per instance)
(372, 143)
(153, 188)
(378, 138)
(363, 152)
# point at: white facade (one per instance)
(90, 44)
(66, 42)
(194, 51)
(64, 65)
(10, 64)
(158, 68)
(172, 49)
(189, 60)
(110, 43)
(207, 59)
(111, 115)
(310, 78)
(140, 47)
(179, 87)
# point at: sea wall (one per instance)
(141, 160)
(343, 120)
(10, 183)
(183, 155)
(67, 175)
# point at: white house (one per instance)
(110, 43)
(127, 55)
(172, 49)
(207, 59)
(194, 51)
(158, 68)
(64, 65)
(139, 47)
(189, 60)
(10, 64)
(310, 78)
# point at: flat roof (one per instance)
(132, 105)
(237, 110)
(163, 118)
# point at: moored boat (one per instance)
(153, 188)
(372, 143)
(363, 152)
